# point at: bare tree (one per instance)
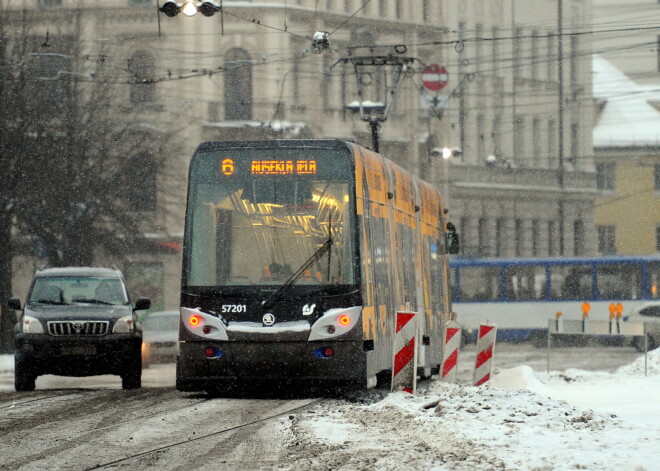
(79, 171)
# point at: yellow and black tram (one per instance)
(297, 254)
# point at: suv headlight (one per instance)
(124, 325)
(32, 325)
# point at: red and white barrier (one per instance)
(404, 365)
(452, 337)
(485, 348)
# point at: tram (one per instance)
(297, 255)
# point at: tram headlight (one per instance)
(335, 322)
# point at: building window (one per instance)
(551, 239)
(519, 237)
(517, 35)
(425, 10)
(605, 176)
(481, 140)
(464, 230)
(550, 42)
(142, 183)
(142, 69)
(397, 6)
(535, 55)
(575, 143)
(50, 3)
(536, 238)
(578, 238)
(496, 54)
(574, 62)
(606, 240)
(657, 238)
(519, 138)
(347, 6)
(238, 85)
(656, 176)
(552, 143)
(49, 86)
(483, 237)
(536, 141)
(136, 3)
(500, 237)
(328, 5)
(478, 47)
(382, 8)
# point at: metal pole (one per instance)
(373, 124)
(560, 69)
(547, 369)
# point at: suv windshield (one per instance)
(74, 290)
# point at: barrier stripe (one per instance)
(404, 356)
(450, 363)
(450, 353)
(485, 349)
(404, 363)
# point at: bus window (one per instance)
(479, 283)
(524, 282)
(571, 282)
(654, 281)
(619, 281)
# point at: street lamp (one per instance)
(371, 112)
(190, 7)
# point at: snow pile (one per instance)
(637, 366)
(521, 420)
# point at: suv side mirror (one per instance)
(14, 303)
(142, 304)
(452, 240)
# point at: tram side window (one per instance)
(619, 281)
(479, 283)
(654, 281)
(571, 282)
(525, 283)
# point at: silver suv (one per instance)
(78, 321)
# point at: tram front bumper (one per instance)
(272, 361)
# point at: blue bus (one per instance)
(520, 295)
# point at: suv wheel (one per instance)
(24, 379)
(132, 378)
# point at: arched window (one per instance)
(238, 85)
(142, 70)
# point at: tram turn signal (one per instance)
(194, 320)
(345, 319)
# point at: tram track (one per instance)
(201, 437)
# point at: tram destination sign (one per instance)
(271, 167)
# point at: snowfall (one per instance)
(521, 419)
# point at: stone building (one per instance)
(518, 183)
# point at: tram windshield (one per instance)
(255, 216)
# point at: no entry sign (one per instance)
(434, 77)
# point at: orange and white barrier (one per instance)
(485, 348)
(404, 365)
(452, 346)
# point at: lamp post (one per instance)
(373, 114)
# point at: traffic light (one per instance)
(190, 7)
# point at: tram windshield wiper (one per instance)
(293, 278)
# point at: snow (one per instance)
(627, 119)
(522, 419)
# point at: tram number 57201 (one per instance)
(226, 308)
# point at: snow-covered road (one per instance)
(594, 410)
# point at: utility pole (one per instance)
(560, 175)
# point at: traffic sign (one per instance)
(434, 77)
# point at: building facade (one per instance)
(516, 106)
